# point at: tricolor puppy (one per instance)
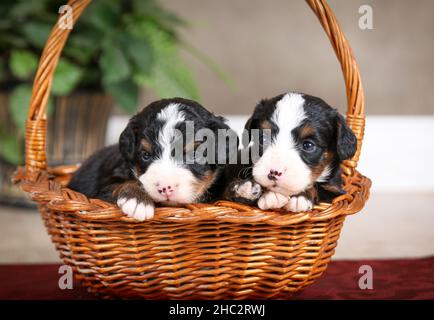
(298, 160)
(155, 161)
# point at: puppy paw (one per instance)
(248, 189)
(298, 204)
(245, 191)
(272, 200)
(136, 209)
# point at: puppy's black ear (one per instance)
(248, 124)
(246, 134)
(327, 191)
(346, 141)
(127, 143)
(252, 123)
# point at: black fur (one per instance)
(331, 134)
(101, 173)
(105, 171)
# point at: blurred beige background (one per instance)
(268, 47)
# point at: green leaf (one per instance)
(170, 76)
(139, 51)
(6, 8)
(19, 104)
(77, 54)
(36, 32)
(66, 77)
(11, 149)
(125, 93)
(152, 10)
(114, 65)
(90, 77)
(23, 63)
(103, 15)
(171, 82)
(2, 71)
(11, 40)
(21, 9)
(81, 45)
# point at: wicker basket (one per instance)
(201, 251)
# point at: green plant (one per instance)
(116, 47)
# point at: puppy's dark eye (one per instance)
(308, 146)
(146, 156)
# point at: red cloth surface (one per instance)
(392, 279)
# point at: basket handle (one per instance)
(36, 133)
(36, 124)
(350, 69)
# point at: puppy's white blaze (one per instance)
(170, 116)
(282, 154)
(288, 115)
(166, 171)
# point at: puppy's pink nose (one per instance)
(274, 175)
(166, 191)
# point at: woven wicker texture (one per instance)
(223, 250)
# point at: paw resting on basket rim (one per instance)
(272, 200)
(298, 204)
(136, 209)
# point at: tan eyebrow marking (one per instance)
(203, 184)
(265, 124)
(306, 131)
(326, 161)
(147, 146)
(192, 145)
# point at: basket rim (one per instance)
(46, 188)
